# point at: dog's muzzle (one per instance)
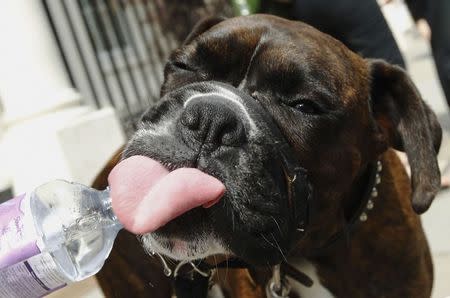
(216, 116)
(220, 118)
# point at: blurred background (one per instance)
(76, 75)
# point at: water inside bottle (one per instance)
(77, 225)
(86, 247)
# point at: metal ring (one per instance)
(276, 291)
(278, 284)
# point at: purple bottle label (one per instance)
(18, 237)
(36, 277)
(24, 270)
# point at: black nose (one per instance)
(213, 120)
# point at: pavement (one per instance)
(436, 221)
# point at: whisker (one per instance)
(279, 248)
(278, 226)
(270, 243)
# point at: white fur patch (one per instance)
(201, 248)
(317, 290)
(227, 94)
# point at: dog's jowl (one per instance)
(300, 130)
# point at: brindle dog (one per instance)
(234, 90)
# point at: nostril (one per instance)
(191, 118)
(233, 135)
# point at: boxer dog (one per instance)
(240, 90)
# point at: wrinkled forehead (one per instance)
(287, 53)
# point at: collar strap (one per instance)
(362, 211)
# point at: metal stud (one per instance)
(379, 166)
(363, 217)
(374, 193)
(377, 179)
(369, 205)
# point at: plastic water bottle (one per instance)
(60, 233)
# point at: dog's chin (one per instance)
(181, 250)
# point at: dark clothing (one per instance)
(437, 14)
(439, 20)
(359, 24)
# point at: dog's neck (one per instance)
(357, 205)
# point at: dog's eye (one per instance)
(182, 66)
(307, 107)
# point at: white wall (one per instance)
(47, 132)
(5, 181)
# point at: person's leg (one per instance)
(359, 24)
(439, 20)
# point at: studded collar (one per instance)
(362, 211)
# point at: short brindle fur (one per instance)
(339, 113)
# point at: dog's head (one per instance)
(240, 89)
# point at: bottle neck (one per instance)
(108, 210)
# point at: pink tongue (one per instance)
(145, 195)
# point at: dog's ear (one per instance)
(202, 26)
(408, 125)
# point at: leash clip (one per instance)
(278, 286)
